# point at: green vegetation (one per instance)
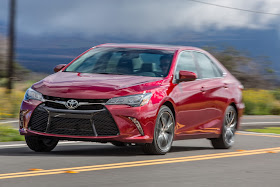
(257, 102)
(275, 130)
(261, 102)
(10, 103)
(252, 72)
(8, 134)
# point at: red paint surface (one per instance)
(199, 105)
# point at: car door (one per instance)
(188, 98)
(215, 93)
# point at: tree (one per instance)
(3, 56)
(252, 72)
(19, 71)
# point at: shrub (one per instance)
(8, 134)
(275, 110)
(10, 103)
(260, 102)
(276, 94)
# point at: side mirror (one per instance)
(187, 76)
(59, 67)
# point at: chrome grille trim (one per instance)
(80, 103)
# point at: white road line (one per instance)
(252, 123)
(24, 145)
(5, 122)
(14, 145)
(248, 132)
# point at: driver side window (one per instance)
(185, 62)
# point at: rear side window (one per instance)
(207, 68)
(185, 63)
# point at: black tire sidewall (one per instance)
(37, 143)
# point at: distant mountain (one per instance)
(42, 53)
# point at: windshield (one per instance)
(128, 61)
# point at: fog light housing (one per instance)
(21, 119)
(137, 124)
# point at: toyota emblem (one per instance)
(71, 104)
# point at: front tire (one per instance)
(226, 140)
(163, 133)
(39, 144)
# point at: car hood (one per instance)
(94, 86)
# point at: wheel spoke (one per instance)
(159, 127)
(232, 126)
(166, 140)
(227, 118)
(162, 140)
(230, 132)
(163, 123)
(168, 127)
(231, 120)
(229, 135)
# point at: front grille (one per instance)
(65, 124)
(79, 100)
(71, 126)
(52, 102)
(82, 107)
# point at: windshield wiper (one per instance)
(110, 73)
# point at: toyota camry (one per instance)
(148, 95)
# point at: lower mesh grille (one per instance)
(103, 122)
(71, 126)
(39, 120)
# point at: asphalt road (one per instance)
(253, 161)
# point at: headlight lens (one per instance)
(32, 94)
(132, 100)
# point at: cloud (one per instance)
(138, 18)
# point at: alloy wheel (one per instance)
(230, 126)
(165, 131)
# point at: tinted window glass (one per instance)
(207, 68)
(139, 62)
(186, 63)
(218, 72)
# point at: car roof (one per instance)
(148, 46)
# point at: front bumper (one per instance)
(240, 108)
(126, 130)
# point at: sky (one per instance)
(55, 31)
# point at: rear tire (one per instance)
(226, 140)
(163, 133)
(39, 144)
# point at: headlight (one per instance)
(32, 94)
(132, 100)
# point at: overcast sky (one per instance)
(138, 17)
(70, 23)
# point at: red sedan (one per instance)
(148, 95)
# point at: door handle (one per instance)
(203, 89)
(225, 85)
